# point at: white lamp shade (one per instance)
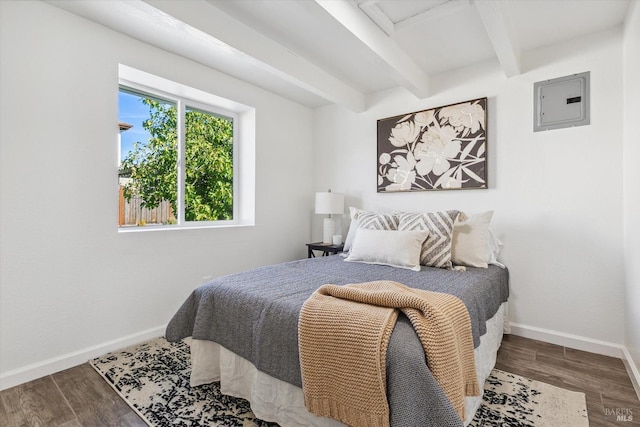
(329, 203)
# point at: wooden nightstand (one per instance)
(326, 249)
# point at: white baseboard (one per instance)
(47, 367)
(634, 371)
(582, 343)
(569, 340)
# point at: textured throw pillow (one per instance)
(370, 221)
(436, 250)
(388, 247)
(377, 221)
(470, 241)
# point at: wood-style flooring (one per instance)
(604, 380)
(80, 397)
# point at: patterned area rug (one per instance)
(153, 378)
(512, 400)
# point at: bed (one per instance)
(244, 334)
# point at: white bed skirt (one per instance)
(277, 401)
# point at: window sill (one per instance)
(151, 228)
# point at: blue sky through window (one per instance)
(131, 110)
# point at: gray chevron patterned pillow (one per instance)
(436, 250)
(377, 221)
(368, 220)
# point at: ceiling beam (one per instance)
(495, 22)
(406, 71)
(269, 55)
(208, 35)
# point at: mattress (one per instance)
(254, 315)
(283, 403)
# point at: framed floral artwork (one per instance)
(442, 148)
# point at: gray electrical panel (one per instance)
(561, 102)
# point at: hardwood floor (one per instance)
(604, 380)
(71, 398)
(80, 397)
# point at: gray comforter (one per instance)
(255, 315)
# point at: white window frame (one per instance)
(243, 118)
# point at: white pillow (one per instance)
(388, 247)
(369, 220)
(471, 241)
(353, 226)
(494, 246)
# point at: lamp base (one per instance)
(328, 230)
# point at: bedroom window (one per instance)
(180, 152)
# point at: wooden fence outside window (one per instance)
(132, 213)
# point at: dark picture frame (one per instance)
(443, 148)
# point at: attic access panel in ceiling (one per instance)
(561, 102)
(393, 15)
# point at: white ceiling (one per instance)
(317, 52)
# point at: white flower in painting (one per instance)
(436, 149)
(404, 133)
(452, 182)
(424, 118)
(403, 176)
(466, 115)
(446, 134)
(385, 158)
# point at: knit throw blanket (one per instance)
(343, 334)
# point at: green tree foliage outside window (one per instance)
(152, 165)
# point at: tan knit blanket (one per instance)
(343, 334)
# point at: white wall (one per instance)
(557, 195)
(70, 284)
(631, 177)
